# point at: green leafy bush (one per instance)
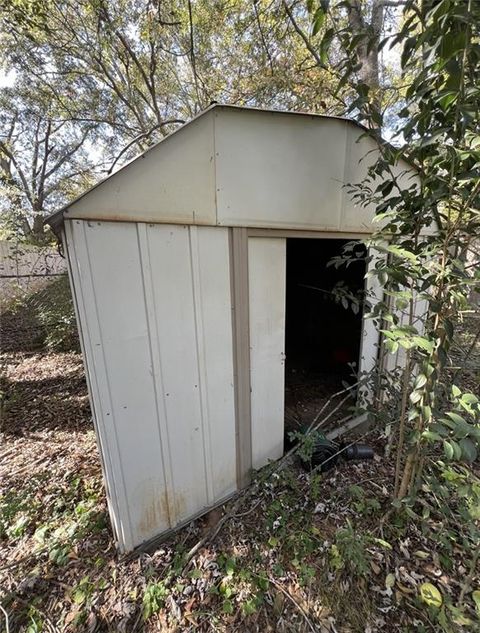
(53, 307)
(44, 319)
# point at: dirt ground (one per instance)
(298, 552)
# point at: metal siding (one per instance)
(361, 153)
(211, 266)
(99, 373)
(279, 171)
(82, 292)
(267, 286)
(245, 168)
(173, 182)
(241, 357)
(170, 262)
(120, 302)
(156, 313)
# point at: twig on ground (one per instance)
(468, 580)
(293, 601)
(213, 533)
(5, 615)
(51, 626)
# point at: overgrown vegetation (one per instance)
(42, 319)
(429, 218)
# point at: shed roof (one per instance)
(239, 166)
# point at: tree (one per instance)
(345, 37)
(126, 73)
(43, 161)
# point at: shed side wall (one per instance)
(156, 313)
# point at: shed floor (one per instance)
(304, 400)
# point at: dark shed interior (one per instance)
(323, 323)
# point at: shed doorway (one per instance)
(323, 325)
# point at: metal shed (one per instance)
(178, 269)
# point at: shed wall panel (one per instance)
(267, 288)
(360, 153)
(117, 325)
(369, 345)
(78, 264)
(213, 310)
(156, 313)
(173, 182)
(279, 171)
(169, 252)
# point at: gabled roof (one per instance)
(239, 166)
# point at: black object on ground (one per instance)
(326, 454)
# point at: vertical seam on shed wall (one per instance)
(214, 119)
(85, 345)
(201, 361)
(109, 391)
(153, 342)
(166, 426)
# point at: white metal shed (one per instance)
(178, 268)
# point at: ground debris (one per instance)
(307, 553)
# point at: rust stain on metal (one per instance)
(155, 518)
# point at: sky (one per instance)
(7, 79)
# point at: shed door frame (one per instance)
(241, 325)
(370, 336)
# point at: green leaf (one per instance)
(469, 450)
(447, 100)
(423, 343)
(390, 580)
(431, 435)
(249, 607)
(455, 417)
(448, 328)
(325, 45)
(79, 596)
(448, 450)
(431, 595)
(318, 20)
(415, 397)
(455, 391)
(476, 599)
(402, 253)
(420, 381)
(456, 450)
(227, 607)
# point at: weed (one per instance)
(154, 598)
(363, 505)
(350, 551)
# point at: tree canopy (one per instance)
(97, 81)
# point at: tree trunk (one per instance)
(367, 47)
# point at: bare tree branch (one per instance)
(141, 137)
